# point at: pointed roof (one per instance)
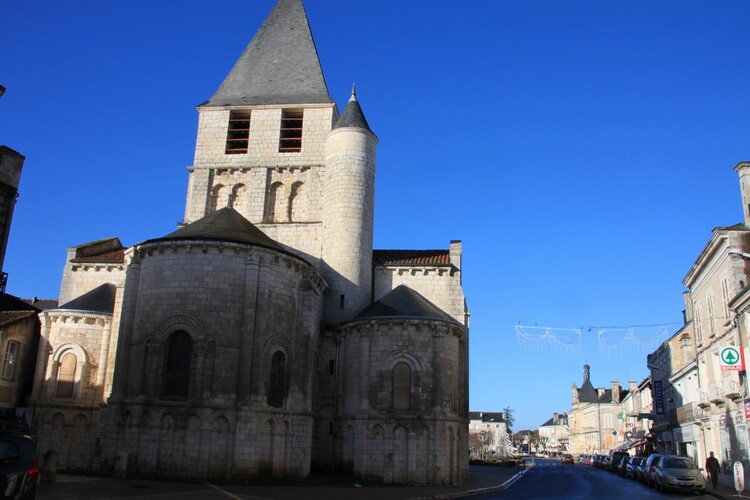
(101, 300)
(404, 303)
(353, 115)
(279, 66)
(224, 225)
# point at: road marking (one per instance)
(234, 497)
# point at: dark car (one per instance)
(621, 467)
(615, 459)
(19, 466)
(567, 458)
(633, 467)
(678, 473)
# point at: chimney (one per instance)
(615, 392)
(743, 170)
(633, 386)
(688, 313)
(586, 373)
(554, 418)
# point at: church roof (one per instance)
(353, 115)
(411, 257)
(225, 224)
(101, 299)
(279, 66)
(403, 302)
(108, 257)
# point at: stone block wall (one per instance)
(439, 285)
(263, 154)
(421, 444)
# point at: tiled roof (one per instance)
(8, 317)
(279, 66)
(109, 257)
(100, 299)
(225, 224)
(353, 116)
(403, 302)
(411, 258)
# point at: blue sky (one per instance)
(581, 150)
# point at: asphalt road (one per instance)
(551, 480)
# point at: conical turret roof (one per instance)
(353, 115)
(279, 66)
(223, 225)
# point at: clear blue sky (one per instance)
(582, 151)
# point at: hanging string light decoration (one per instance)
(619, 341)
(542, 339)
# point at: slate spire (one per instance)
(353, 115)
(279, 66)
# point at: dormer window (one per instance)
(238, 132)
(290, 135)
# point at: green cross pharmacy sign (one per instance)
(731, 359)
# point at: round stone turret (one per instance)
(348, 211)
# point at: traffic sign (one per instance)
(730, 359)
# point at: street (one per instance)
(549, 479)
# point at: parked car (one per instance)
(647, 476)
(621, 466)
(19, 466)
(615, 459)
(633, 467)
(567, 458)
(678, 473)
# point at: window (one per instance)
(11, 359)
(177, 366)
(290, 137)
(401, 386)
(238, 132)
(66, 376)
(277, 380)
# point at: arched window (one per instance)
(277, 380)
(239, 197)
(219, 198)
(297, 203)
(401, 386)
(66, 376)
(177, 365)
(276, 203)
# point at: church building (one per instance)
(264, 336)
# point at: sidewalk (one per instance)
(725, 490)
(482, 479)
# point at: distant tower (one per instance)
(348, 212)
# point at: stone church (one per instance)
(265, 336)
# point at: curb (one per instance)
(478, 491)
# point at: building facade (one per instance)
(264, 336)
(594, 415)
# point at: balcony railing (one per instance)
(716, 392)
(733, 389)
(690, 412)
(705, 400)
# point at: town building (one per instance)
(593, 419)
(265, 336)
(554, 435)
(489, 434)
(707, 386)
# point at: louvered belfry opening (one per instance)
(238, 132)
(290, 136)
